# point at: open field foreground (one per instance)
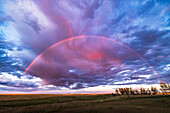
(103, 103)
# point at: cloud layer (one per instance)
(29, 27)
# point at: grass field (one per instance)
(103, 103)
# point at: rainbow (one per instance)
(90, 36)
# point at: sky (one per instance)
(83, 46)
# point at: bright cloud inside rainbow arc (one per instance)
(88, 61)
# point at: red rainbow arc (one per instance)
(90, 36)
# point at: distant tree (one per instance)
(154, 90)
(131, 91)
(142, 90)
(113, 94)
(122, 91)
(148, 91)
(117, 92)
(127, 91)
(136, 92)
(163, 85)
(145, 91)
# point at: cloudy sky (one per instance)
(81, 46)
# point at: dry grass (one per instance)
(84, 104)
(5, 97)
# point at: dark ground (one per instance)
(106, 103)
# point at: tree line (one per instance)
(165, 88)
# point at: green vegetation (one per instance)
(104, 103)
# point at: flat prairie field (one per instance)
(83, 103)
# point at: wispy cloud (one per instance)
(28, 27)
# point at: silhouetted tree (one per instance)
(154, 90)
(122, 91)
(148, 91)
(142, 90)
(117, 92)
(162, 85)
(136, 91)
(127, 91)
(113, 94)
(131, 91)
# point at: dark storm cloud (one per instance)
(36, 25)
